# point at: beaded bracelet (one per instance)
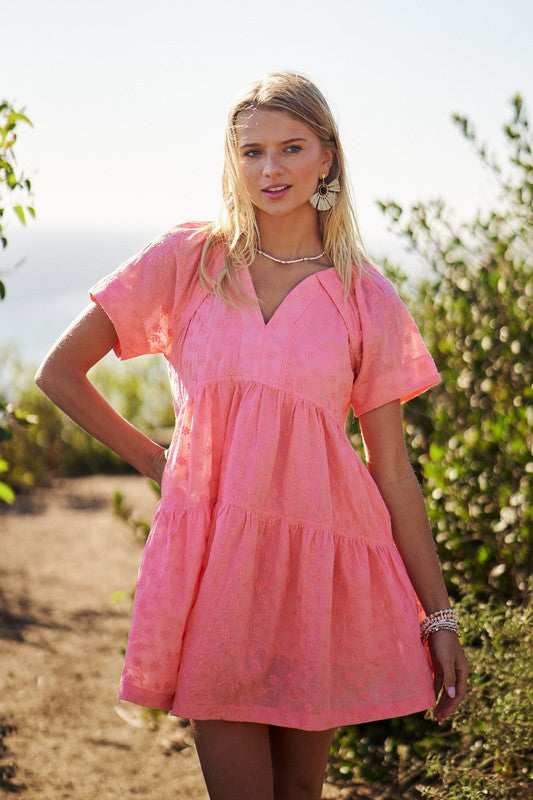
(439, 627)
(443, 619)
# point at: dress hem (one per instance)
(271, 716)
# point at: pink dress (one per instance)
(270, 588)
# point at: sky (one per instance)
(129, 101)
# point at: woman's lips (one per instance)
(275, 194)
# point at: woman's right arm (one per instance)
(62, 376)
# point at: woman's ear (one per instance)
(327, 159)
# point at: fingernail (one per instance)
(451, 691)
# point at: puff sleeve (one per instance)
(146, 293)
(391, 359)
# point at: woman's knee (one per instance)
(298, 789)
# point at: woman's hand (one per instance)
(451, 672)
(157, 466)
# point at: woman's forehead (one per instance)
(254, 125)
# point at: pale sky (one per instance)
(129, 99)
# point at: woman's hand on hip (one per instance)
(158, 465)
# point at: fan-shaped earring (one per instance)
(326, 194)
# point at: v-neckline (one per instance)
(266, 323)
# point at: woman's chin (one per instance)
(282, 209)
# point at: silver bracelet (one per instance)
(440, 626)
(442, 619)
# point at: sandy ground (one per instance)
(63, 555)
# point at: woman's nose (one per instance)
(272, 166)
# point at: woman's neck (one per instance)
(288, 237)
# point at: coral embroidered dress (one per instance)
(270, 588)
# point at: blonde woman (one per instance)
(286, 587)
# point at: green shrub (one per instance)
(482, 751)
(469, 441)
(122, 510)
(469, 435)
(491, 757)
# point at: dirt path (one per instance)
(62, 556)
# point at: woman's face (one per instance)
(280, 159)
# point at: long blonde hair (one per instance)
(236, 226)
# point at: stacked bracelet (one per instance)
(444, 619)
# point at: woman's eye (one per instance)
(292, 147)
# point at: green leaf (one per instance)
(31, 211)
(119, 596)
(16, 116)
(436, 452)
(23, 418)
(6, 493)
(19, 211)
(4, 466)
(2, 289)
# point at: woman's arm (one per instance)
(388, 463)
(389, 466)
(63, 377)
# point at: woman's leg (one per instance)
(299, 760)
(235, 759)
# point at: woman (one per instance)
(285, 588)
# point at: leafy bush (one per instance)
(15, 188)
(122, 510)
(10, 417)
(469, 435)
(468, 439)
(482, 751)
(475, 313)
(14, 185)
(490, 759)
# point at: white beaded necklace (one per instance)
(290, 260)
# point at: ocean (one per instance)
(47, 276)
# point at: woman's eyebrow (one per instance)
(285, 141)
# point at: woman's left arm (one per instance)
(388, 463)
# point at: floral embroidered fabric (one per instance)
(270, 588)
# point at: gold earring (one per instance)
(326, 194)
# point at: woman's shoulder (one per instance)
(195, 227)
(183, 232)
(177, 249)
(367, 276)
(372, 288)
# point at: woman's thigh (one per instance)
(235, 759)
(299, 760)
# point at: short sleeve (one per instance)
(146, 293)
(392, 360)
